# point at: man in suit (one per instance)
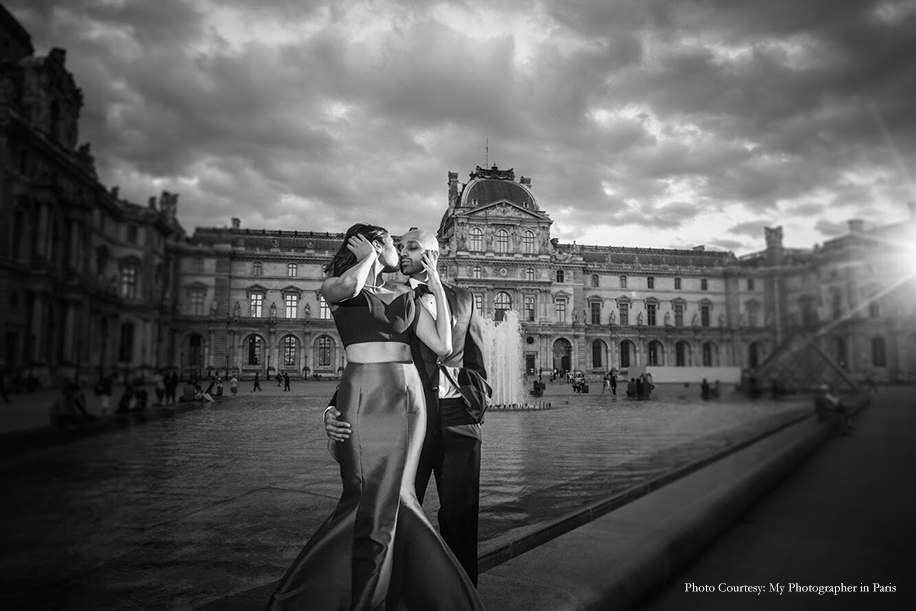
(456, 392)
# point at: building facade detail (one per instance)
(89, 281)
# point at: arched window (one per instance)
(597, 354)
(528, 242)
(529, 274)
(560, 275)
(290, 349)
(878, 352)
(126, 352)
(476, 238)
(625, 352)
(254, 350)
(681, 352)
(324, 351)
(195, 351)
(709, 354)
(502, 240)
(501, 303)
(655, 354)
(476, 272)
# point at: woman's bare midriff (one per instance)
(378, 352)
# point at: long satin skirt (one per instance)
(377, 551)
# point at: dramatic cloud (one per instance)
(655, 123)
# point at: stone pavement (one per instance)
(845, 516)
(842, 516)
(181, 512)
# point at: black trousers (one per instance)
(453, 456)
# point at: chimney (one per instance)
(912, 207)
(236, 223)
(856, 225)
(114, 191)
(699, 248)
(152, 202)
(525, 180)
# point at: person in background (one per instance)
(829, 407)
(159, 383)
(234, 385)
(257, 381)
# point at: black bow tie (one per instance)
(421, 290)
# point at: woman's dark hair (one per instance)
(344, 259)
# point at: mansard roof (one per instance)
(649, 256)
(265, 239)
(495, 185)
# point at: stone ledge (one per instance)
(616, 559)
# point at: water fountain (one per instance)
(503, 349)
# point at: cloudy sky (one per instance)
(656, 123)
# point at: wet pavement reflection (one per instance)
(183, 510)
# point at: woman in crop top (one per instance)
(377, 550)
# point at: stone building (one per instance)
(81, 271)
(89, 281)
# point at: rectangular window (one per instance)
(623, 282)
(198, 264)
(292, 306)
(257, 268)
(594, 280)
(478, 302)
(529, 308)
(704, 315)
(704, 284)
(197, 303)
(677, 284)
(129, 282)
(650, 314)
(291, 270)
(679, 315)
(750, 284)
(561, 310)
(324, 313)
(624, 315)
(256, 305)
(650, 282)
(596, 312)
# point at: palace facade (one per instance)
(89, 281)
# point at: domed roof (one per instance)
(492, 185)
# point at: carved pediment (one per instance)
(504, 209)
(255, 288)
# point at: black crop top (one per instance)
(366, 318)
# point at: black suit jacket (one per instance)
(467, 355)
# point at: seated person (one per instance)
(70, 407)
(188, 392)
(828, 406)
(202, 395)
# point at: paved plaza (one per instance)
(179, 511)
